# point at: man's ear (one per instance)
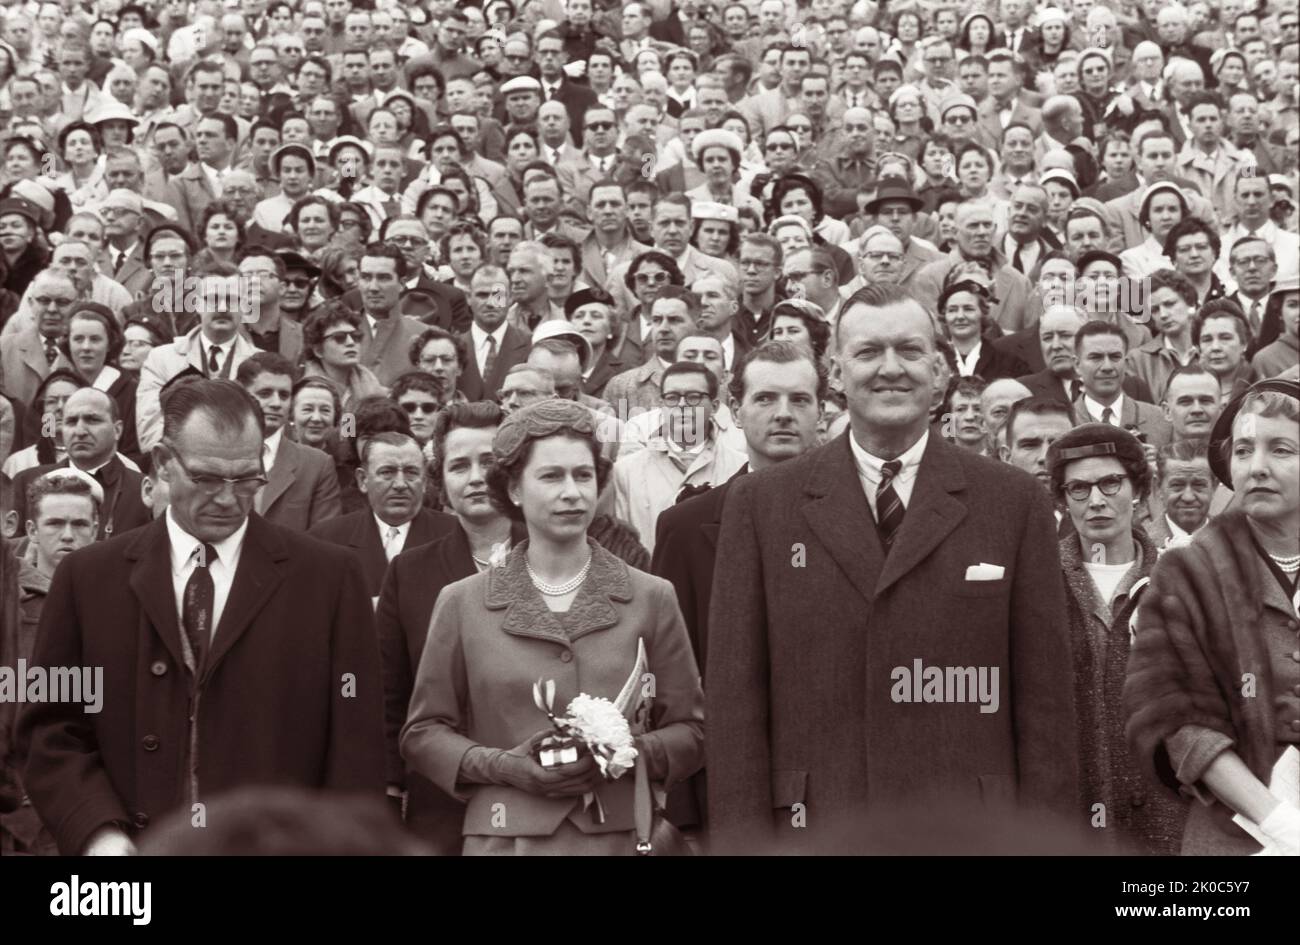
(9, 524)
(160, 464)
(361, 478)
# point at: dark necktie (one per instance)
(119, 262)
(1017, 262)
(51, 350)
(214, 361)
(197, 605)
(490, 360)
(889, 507)
(1108, 416)
(1075, 387)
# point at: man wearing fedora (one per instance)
(895, 206)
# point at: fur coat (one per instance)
(1205, 622)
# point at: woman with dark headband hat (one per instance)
(1213, 689)
(92, 344)
(1099, 474)
(964, 306)
(563, 612)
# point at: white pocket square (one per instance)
(985, 572)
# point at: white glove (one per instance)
(109, 841)
(576, 70)
(1282, 827)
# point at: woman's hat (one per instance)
(560, 329)
(1093, 439)
(285, 150)
(592, 295)
(967, 283)
(1221, 435)
(716, 138)
(344, 141)
(1061, 176)
(110, 109)
(708, 210)
(542, 419)
(1160, 186)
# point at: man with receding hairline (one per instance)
(237, 653)
(921, 556)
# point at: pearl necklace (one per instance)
(558, 590)
(1288, 564)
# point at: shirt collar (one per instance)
(480, 336)
(272, 445)
(183, 544)
(384, 527)
(1176, 534)
(870, 466)
(1096, 410)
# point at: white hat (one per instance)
(707, 210)
(521, 83)
(714, 138)
(562, 329)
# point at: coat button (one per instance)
(1296, 656)
(1137, 799)
(1296, 690)
(1295, 725)
(566, 657)
(158, 667)
(151, 743)
(141, 819)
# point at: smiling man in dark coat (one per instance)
(848, 579)
(234, 653)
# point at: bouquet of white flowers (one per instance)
(589, 723)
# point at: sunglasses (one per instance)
(344, 337)
(600, 126)
(651, 278)
(297, 282)
(424, 408)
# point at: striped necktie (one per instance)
(889, 507)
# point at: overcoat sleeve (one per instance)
(737, 690)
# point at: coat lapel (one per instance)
(527, 615)
(281, 477)
(384, 328)
(931, 515)
(837, 511)
(151, 580)
(256, 578)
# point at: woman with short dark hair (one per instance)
(331, 343)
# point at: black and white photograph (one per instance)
(692, 428)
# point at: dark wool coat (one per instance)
(1212, 614)
(1139, 818)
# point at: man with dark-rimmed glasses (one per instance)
(234, 652)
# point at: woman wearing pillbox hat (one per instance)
(718, 153)
(1099, 474)
(510, 644)
(1044, 47)
(1213, 689)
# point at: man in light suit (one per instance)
(302, 488)
(1101, 351)
(393, 478)
(214, 349)
(31, 353)
(386, 333)
(921, 558)
(235, 653)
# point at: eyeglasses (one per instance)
(407, 240)
(1080, 490)
(424, 407)
(800, 128)
(796, 275)
(779, 146)
(344, 337)
(1252, 262)
(45, 301)
(244, 486)
(296, 282)
(958, 119)
(878, 256)
(651, 278)
(690, 398)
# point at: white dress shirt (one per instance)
(183, 547)
(1096, 410)
(728, 352)
(480, 337)
(392, 545)
(869, 469)
(270, 449)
